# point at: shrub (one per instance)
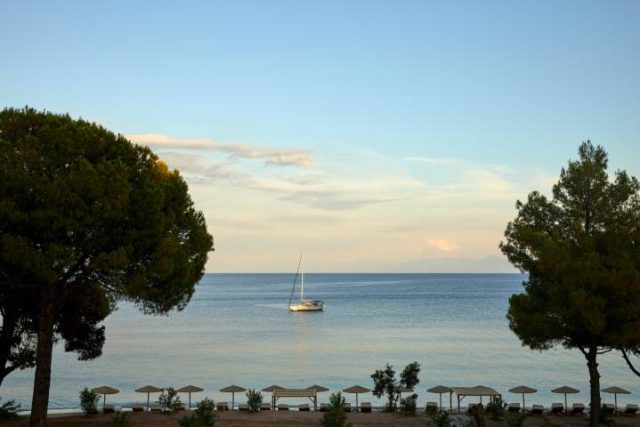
(170, 401)
(335, 416)
(89, 401)
(9, 410)
(441, 419)
(121, 419)
(408, 405)
(516, 420)
(203, 416)
(254, 399)
(497, 407)
(431, 411)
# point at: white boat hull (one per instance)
(307, 306)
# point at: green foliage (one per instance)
(605, 418)
(205, 406)
(516, 419)
(441, 419)
(87, 219)
(336, 400)
(169, 400)
(408, 405)
(9, 410)
(121, 419)
(89, 401)
(431, 411)
(497, 407)
(580, 249)
(254, 400)
(385, 383)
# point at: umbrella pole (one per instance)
(566, 410)
(357, 403)
(104, 401)
(440, 401)
(189, 401)
(233, 395)
(148, 394)
(451, 401)
(522, 402)
(615, 399)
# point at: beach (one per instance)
(293, 418)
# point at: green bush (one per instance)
(497, 407)
(408, 405)
(431, 411)
(254, 399)
(441, 419)
(386, 384)
(336, 400)
(335, 416)
(9, 410)
(170, 401)
(89, 401)
(516, 420)
(121, 419)
(203, 416)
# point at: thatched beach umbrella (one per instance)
(357, 390)
(440, 389)
(615, 390)
(273, 388)
(189, 389)
(233, 389)
(403, 389)
(148, 389)
(523, 389)
(565, 390)
(105, 389)
(317, 388)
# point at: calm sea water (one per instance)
(237, 330)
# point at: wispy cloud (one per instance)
(300, 157)
(443, 245)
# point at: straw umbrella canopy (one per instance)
(317, 388)
(523, 389)
(357, 389)
(233, 389)
(105, 389)
(565, 390)
(615, 390)
(189, 389)
(148, 389)
(440, 389)
(403, 389)
(273, 388)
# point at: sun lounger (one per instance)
(557, 408)
(513, 407)
(346, 407)
(577, 409)
(365, 407)
(324, 407)
(610, 408)
(108, 409)
(283, 407)
(243, 407)
(304, 407)
(631, 409)
(222, 406)
(537, 409)
(137, 407)
(265, 406)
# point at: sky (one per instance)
(373, 136)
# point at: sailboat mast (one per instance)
(302, 282)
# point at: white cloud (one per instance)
(301, 157)
(443, 245)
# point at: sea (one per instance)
(237, 330)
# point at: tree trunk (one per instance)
(44, 353)
(9, 323)
(594, 381)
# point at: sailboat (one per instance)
(304, 304)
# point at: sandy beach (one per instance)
(294, 418)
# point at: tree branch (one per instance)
(626, 359)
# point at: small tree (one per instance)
(89, 401)
(385, 383)
(254, 400)
(334, 416)
(581, 250)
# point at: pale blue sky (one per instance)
(418, 122)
